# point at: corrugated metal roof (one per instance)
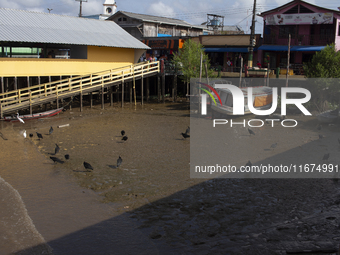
(35, 27)
(157, 19)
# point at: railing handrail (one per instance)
(74, 84)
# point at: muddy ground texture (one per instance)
(192, 216)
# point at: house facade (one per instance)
(163, 35)
(305, 27)
(224, 48)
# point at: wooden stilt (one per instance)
(111, 96)
(142, 88)
(147, 89)
(81, 101)
(158, 88)
(175, 87)
(102, 98)
(163, 87)
(122, 94)
(91, 100)
(130, 91)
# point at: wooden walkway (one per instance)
(25, 98)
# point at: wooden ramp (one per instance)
(25, 98)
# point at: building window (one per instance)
(284, 31)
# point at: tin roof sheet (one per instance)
(36, 27)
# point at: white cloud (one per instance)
(162, 9)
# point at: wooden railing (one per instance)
(33, 95)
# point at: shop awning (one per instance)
(307, 48)
(274, 47)
(244, 49)
(293, 48)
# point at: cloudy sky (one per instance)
(193, 11)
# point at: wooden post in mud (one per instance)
(175, 87)
(158, 88)
(142, 88)
(102, 97)
(81, 101)
(122, 93)
(163, 87)
(147, 89)
(111, 96)
(91, 100)
(130, 92)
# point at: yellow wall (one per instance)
(98, 59)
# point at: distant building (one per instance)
(141, 25)
(310, 27)
(109, 8)
(163, 35)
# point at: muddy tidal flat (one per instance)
(149, 204)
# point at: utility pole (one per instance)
(49, 10)
(81, 4)
(252, 38)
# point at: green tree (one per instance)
(188, 60)
(325, 67)
(324, 64)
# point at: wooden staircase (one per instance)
(25, 98)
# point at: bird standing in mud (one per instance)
(56, 160)
(122, 132)
(20, 119)
(124, 138)
(56, 150)
(185, 135)
(50, 131)
(251, 132)
(39, 135)
(326, 156)
(119, 161)
(273, 146)
(88, 166)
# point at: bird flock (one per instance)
(55, 159)
(88, 167)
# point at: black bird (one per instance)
(88, 166)
(31, 135)
(273, 146)
(119, 161)
(56, 150)
(39, 135)
(188, 130)
(185, 135)
(326, 156)
(67, 156)
(50, 131)
(124, 138)
(249, 163)
(56, 160)
(251, 132)
(122, 132)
